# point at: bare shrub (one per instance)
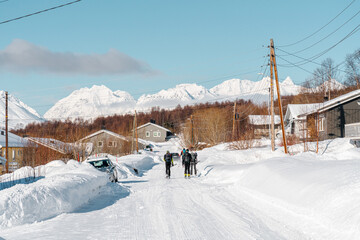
(245, 141)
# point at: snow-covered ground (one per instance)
(247, 194)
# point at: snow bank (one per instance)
(126, 165)
(324, 187)
(64, 188)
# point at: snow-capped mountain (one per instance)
(183, 94)
(88, 103)
(237, 88)
(19, 113)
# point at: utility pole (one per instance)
(6, 133)
(136, 133)
(192, 130)
(133, 135)
(272, 106)
(273, 61)
(234, 118)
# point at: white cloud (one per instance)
(23, 57)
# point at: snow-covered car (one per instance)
(104, 164)
(175, 156)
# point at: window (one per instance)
(112, 144)
(100, 143)
(156, 134)
(321, 124)
(147, 134)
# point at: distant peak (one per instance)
(288, 81)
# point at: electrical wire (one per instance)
(303, 39)
(316, 56)
(314, 44)
(39, 12)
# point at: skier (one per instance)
(186, 162)
(168, 162)
(193, 163)
(182, 153)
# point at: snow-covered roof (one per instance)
(13, 140)
(294, 111)
(53, 144)
(104, 131)
(336, 101)
(153, 124)
(263, 119)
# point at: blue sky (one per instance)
(145, 46)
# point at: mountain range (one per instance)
(89, 103)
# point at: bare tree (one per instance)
(353, 69)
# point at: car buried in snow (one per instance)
(175, 156)
(104, 164)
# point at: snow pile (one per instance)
(311, 191)
(64, 188)
(127, 165)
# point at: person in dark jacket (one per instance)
(193, 163)
(186, 162)
(168, 162)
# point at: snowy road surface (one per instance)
(157, 208)
(245, 198)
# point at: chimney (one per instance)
(152, 121)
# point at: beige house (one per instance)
(16, 147)
(153, 132)
(104, 141)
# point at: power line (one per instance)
(305, 59)
(303, 39)
(42, 11)
(314, 44)
(316, 56)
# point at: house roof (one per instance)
(13, 140)
(336, 102)
(263, 119)
(296, 111)
(53, 144)
(104, 131)
(153, 124)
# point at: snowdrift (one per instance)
(64, 188)
(310, 190)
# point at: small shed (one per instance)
(295, 122)
(261, 123)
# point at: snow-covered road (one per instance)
(155, 208)
(247, 195)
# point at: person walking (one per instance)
(193, 163)
(186, 163)
(168, 162)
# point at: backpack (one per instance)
(167, 157)
(187, 157)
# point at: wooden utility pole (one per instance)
(192, 131)
(133, 135)
(272, 105)
(273, 61)
(6, 133)
(234, 118)
(136, 134)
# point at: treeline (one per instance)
(175, 120)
